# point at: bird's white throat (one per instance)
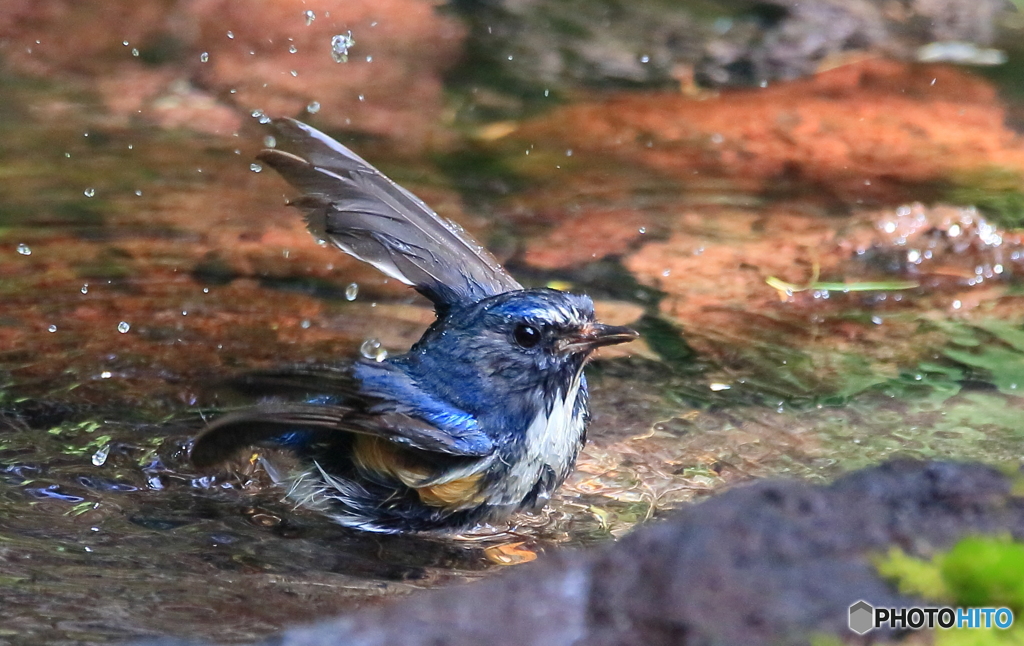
(553, 440)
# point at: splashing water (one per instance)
(340, 45)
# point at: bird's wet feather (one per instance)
(483, 417)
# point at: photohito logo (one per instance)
(865, 617)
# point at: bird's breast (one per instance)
(548, 450)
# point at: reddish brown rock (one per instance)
(587, 236)
(389, 86)
(866, 130)
(241, 56)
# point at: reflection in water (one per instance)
(140, 267)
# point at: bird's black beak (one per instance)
(595, 335)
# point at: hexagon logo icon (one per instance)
(862, 617)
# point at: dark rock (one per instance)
(519, 52)
(787, 39)
(770, 563)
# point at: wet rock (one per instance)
(589, 235)
(941, 244)
(875, 131)
(775, 562)
(788, 39)
(519, 53)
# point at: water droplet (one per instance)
(135, 52)
(645, 59)
(123, 327)
(105, 375)
(292, 49)
(270, 142)
(124, 42)
(716, 387)
(231, 34)
(24, 249)
(305, 324)
(138, 193)
(85, 288)
(352, 291)
(254, 167)
(90, 192)
(205, 56)
(313, 107)
(340, 44)
(371, 349)
(99, 458)
(568, 153)
(362, 98)
(52, 328)
(309, 16)
(957, 304)
(369, 59)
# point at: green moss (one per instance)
(914, 576)
(986, 572)
(979, 571)
(996, 192)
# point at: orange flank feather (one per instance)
(457, 493)
(378, 456)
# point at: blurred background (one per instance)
(811, 211)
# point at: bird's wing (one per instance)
(223, 438)
(354, 206)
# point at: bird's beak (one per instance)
(595, 335)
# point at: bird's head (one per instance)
(518, 341)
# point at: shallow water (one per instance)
(140, 265)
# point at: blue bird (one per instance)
(483, 417)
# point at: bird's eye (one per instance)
(526, 336)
